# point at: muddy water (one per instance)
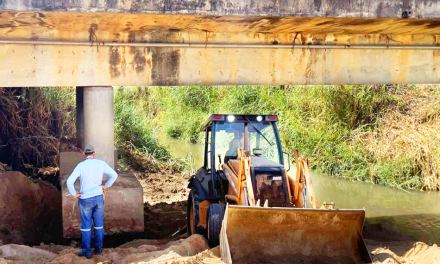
(413, 213)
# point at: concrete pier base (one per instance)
(99, 122)
(124, 211)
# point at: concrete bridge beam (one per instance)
(84, 66)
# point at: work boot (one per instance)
(82, 254)
(98, 251)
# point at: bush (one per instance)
(33, 123)
(340, 128)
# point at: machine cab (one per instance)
(256, 134)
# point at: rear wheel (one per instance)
(215, 218)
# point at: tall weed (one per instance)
(341, 128)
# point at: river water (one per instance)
(413, 213)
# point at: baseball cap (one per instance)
(89, 149)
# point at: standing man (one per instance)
(90, 198)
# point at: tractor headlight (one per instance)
(231, 118)
(259, 118)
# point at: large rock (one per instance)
(124, 210)
(30, 212)
(20, 251)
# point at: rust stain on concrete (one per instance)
(123, 62)
(114, 61)
(139, 60)
(71, 26)
(165, 66)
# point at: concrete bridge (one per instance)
(104, 43)
(218, 42)
(97, 44)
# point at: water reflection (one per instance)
(414, 213)
(182, 149)
(377, 200)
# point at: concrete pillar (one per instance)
(99, 122)
(80, 117)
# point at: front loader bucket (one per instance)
(292, 235)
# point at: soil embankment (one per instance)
(30, 211)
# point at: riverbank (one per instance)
(380, 134)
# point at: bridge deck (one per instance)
(278, 22)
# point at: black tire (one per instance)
(191, 216)
(216, 213)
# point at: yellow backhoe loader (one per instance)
(244, 200)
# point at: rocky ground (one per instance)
(165, 212)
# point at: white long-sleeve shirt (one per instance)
(91, 172)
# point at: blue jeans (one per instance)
(92, 211)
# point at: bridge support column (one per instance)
(124, 210)
(99, 122)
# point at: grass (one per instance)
(33, 125)
(136, 136)
(385, 135)
(406, 142)
(345, 130)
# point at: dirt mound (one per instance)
(141, 251)
(30, 211)
(188, 247)
(396, 253)
(157, 251)
(211, 256)
(390, 246)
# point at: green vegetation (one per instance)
(136, 136)
(34, 125)
(380, 134)
(344, 130)
(37, 123)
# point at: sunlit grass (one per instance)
(344, 130)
